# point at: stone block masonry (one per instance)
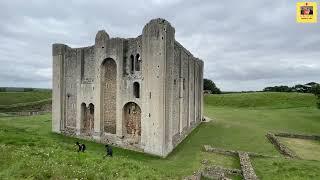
(247, 169)
(281, 147)
(299, 136)
(142, 93)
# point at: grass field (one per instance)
(23, 101)
(10, 98)
(263, 100)
(305, 149)
(29, 150)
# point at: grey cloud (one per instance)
(246, 45)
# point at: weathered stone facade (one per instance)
(142, 93)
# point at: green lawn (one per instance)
(24, 101)
(29, 150)
(273, 100)
(10, 98)
(304, 148)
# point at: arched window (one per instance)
(83, 116)
(138, 62)
(108, 94)
(91, 109)
(132, 63)
(136, 90)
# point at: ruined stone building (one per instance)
(142, 93)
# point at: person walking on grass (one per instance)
(109, 150)
(81, 147)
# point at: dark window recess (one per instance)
(132, 63)
(150, 95)
(184, 83)
(174, 82)
(124, 65)
(91, 108)
(138, 62)
(136, 90)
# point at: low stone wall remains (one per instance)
(247, 169)
(195, 176)
(281, 147)
(219, 172)
(209, 148)
(27, 113)
(299, 136)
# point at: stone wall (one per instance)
(216, 172)
(87, 65)
(280, 147)
(208, 148)
(132, 122)
(109, 96)
(27, 113)
(179, 137)
(192, 88)
(71, 64)
(177, 90)
(185, 80)
(299, 136)
(104, 75)
(247, 169)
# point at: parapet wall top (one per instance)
(157, 22)
(101, 37)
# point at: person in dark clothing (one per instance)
(81, 147)
(311, 12)
(109, 150)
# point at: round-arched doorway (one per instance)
(109, 94)
(132, 122)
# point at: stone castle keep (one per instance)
(142, 93)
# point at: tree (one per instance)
(316, 91)
(306, 88)
(210, 85)
(278, 89)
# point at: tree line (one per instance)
(302, 88)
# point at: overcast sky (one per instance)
(245, 45)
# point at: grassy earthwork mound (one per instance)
(24, 101)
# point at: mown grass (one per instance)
(29, 143)
(10, 98)
(241, 126)
(24, 101)
(29, 150)
(274, 100)
(304, 148)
